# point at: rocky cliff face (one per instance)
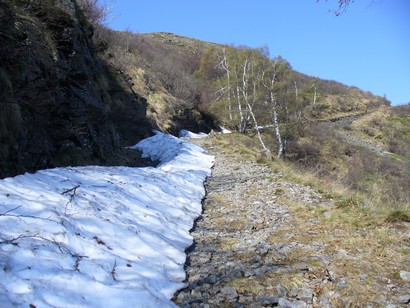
(59, 103)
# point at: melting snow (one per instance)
(102, 236)
(187, 134)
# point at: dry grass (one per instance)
(356, 245)
(227, 243)
(248, 286)
(221, 201)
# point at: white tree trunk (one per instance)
(314, 96)
(238, 96)
(296, 90)
(272, 105)
(225, 66)
(244, 91)
(276, 125)
(257, 129)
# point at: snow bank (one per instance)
(187, 134)
(224, 130)
(101, 236)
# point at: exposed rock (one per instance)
(405, 275)
(62, 104)
(342, 282)
(404, 299)
(229, 293)
(284, 303)
(364, 276)
(306, 295)
(233, 255)
(267, 300)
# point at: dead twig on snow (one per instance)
(71, 192)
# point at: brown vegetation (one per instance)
(163, 74)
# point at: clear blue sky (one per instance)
(368, 46)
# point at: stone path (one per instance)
(234, 261)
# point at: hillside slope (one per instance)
(332, 98)
(161, 67)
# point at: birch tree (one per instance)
(253, 91)
(256, 71)
(224, 65)
(270, 83)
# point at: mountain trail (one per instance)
(250, 249)
(344, 122)
(236, 260)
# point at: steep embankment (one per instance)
(60, 103)
(264, 240)
(161, 67)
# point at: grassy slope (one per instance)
(160, 64)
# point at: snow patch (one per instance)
(187, 134)
(224, 130)
(102, 236)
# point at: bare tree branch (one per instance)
(5, 213)
(70, 192)
(113, 273)
(13, 240)
(342, 6)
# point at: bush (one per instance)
(306, 152)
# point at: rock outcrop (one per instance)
(60, 104)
